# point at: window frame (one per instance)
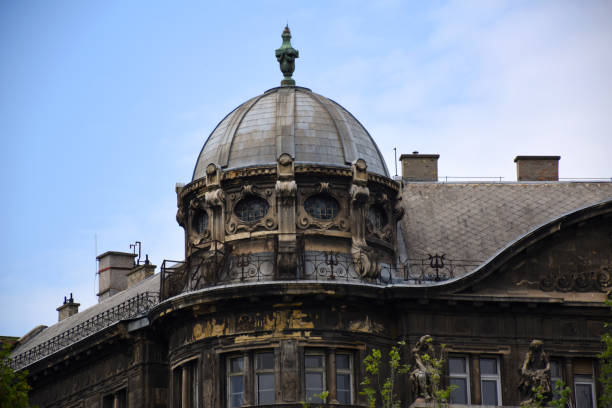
(490, 377)
(229, 374)
(350, 371)
(176, 373)
(584, 381)
(257, 371)
(466, 375)
(322, 370)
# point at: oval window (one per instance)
(322, 207)
(251, 209)
(201, 222)
(377, 216)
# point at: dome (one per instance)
(294, 120)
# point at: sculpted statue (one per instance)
(535, 374)
(420, 377)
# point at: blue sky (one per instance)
(105, 106)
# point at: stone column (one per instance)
(286, 190)
(363, 256)
(215, 200)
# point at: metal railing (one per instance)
(131, 308)
(216, 267)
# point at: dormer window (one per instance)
(321, 207)
(251, 209)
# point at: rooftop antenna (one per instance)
(133, 248)
(95, 262)
(395, 153)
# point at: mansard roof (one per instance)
(89, 315)
(472, 221)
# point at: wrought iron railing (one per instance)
(217, 267)
(131, 308)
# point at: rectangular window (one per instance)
(235, 380)
(584, 391)
(118, 399)
(459, 375)
(556, 374)
(314, 368)
(344, 382)
(185, 385)
(264, 378)
(490, 384)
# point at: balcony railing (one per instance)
(131, 308)
(219, 267)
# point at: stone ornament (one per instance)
(535, 374)
(421, 376)
(286, 56)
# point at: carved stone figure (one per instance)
(535, 374)
(420, 377)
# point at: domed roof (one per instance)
(293, 120)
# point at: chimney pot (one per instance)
(69, 308)
(537, 168)
(419, 167)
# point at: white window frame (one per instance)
(348, 371)
(263, 371)
(465, 375)
(490, 377)
(229, 376)
(584, 381)
(315, 370)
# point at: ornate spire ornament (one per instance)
(286, 56)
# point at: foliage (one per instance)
(565, 393)
(440, 395)
(13, 386)
(605, 358)
(380, 389)
(560, 389)
(375, 387)
(322, 396)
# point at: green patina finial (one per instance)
(286, 56)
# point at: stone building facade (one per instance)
(302, 255)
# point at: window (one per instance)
(251, 209)
(235, 375)
(377, 217)
(555, 375)
(344, 382)
(490, 386)
(314, 376)
(584, 387)
(185, 385)
(251, 379)
(264, 378)
(118, 399)
(321, 206)
(201, 222)
(459, 376)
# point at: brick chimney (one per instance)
(113, 270)
(140, 272)
(419, 167)
(68, 309)
(537, 168)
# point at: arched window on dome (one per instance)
(251, 209)
(322, 206)
(377, 217)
